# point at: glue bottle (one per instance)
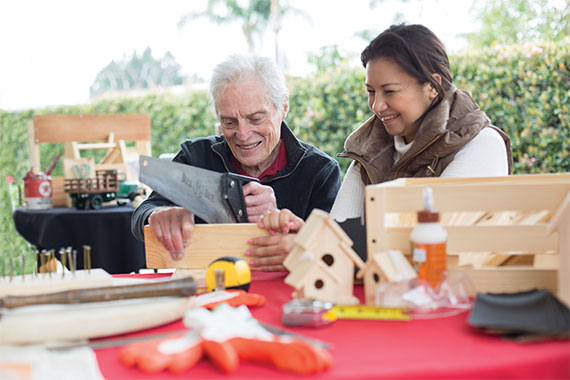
(429, 240)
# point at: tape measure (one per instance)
(314, 313)
(367, 312)
(235, 274)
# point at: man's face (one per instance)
(250, 124)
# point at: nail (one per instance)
(261, 225)
(247, 253)
(249, 241)
(251, 263)
(271, 232)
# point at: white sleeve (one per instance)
(349, 202)
(484, 156)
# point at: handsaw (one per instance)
(183, 287)
(214, 197)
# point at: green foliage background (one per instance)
(525, 90)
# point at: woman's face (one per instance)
(396, 97)
(250, 124)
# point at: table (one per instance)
(107, 230)
(443, 348)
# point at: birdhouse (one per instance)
(390, 266)
(321, 264)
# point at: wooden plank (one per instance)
(510, 239)
(59, 196)
(34, 152)
(475, 197)
(496, 260)
(469, 259)
(519, 260)
(510, 279)
(88, 146)
(546, 261)
(564, 255)
(143, 147)
(64, 127)
(209, 242)
(520, 179)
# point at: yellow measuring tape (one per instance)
(367, 312)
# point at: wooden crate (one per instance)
(530, 215)
(71, 130)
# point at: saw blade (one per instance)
(197, 190)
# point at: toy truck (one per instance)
(108, 185)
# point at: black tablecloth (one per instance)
(107, 231)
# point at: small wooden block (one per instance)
(46, 283)
(209, 242)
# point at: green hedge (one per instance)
(525, 90)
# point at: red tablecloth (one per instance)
(443, 348)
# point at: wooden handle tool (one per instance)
(183, 287)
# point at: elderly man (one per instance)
(251, 102)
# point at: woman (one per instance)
(422, 126)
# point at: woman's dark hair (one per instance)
(417, 51)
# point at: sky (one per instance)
(51, 51)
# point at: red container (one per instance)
(37, 191)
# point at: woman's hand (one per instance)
(173, 227)
(280, 221)
(269, 252)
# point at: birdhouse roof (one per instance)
(301, 274)
(352, 255)
(392, 264)
(319, 219)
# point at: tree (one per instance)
(327, 57)
(397, 18)
(519, 21)
(137, 73)
(254, 16)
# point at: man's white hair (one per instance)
(240, 67)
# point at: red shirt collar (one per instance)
(276, 166)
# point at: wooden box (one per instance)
(522, 220)
(85, 132)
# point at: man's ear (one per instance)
(285, 108)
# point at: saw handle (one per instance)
(233, 194)
(183, 287)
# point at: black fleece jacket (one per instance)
(311, 179)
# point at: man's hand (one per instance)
(258, 199)
(269, 252)
(173, 227)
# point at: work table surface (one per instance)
(440, 348)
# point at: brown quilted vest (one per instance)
(447, 128)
